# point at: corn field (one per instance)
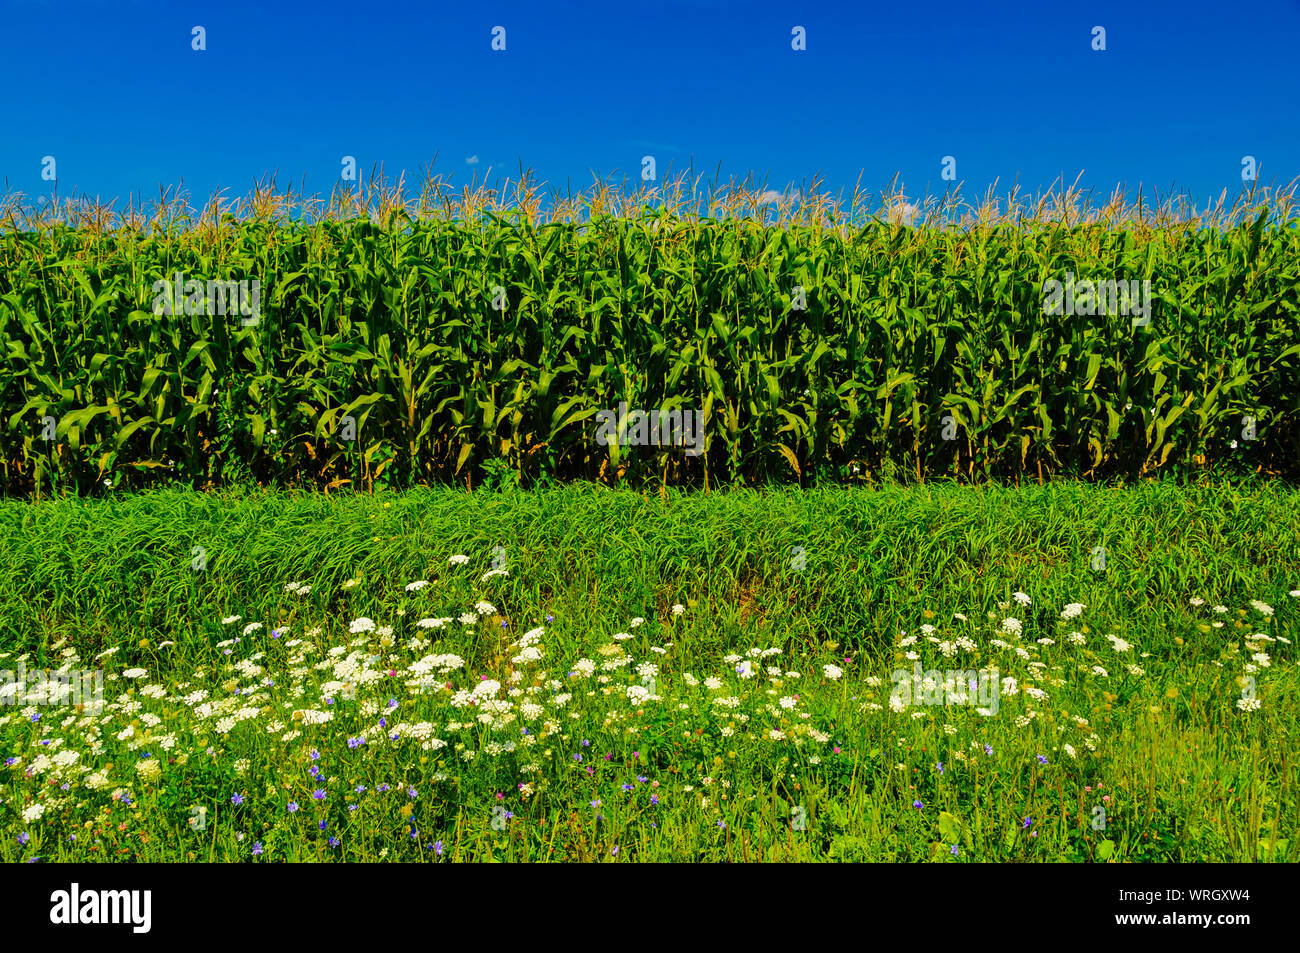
(400, 344)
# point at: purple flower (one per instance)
(627, 787)
(383, 787)
(334, 842)
(318, 794)
(940, 767)
(383, 722)
(361, 789)
(315, 755)
(323, 825)
(237, 799)
(392, 703)
(954, 850)
(23, 839)
(550, 618)
(596, 803)
(1042, 759)
(412, 792)
(577, 757)
(586, 743)
(437, 848)
(10, 762)
(918, 805)
(257, 849)
(654, 799)
(721, 823)
(356, 742)
(1028, 820)
(36, 717)
(988, 749)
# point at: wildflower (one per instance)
(237, 799)
(918, 805)
(293, 807)
(257, 848)
(832, 671)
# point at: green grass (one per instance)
(1189, 774)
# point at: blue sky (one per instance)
(1013, 91)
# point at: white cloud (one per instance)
(472, 160)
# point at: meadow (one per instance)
(585, 673)
(311, 548)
